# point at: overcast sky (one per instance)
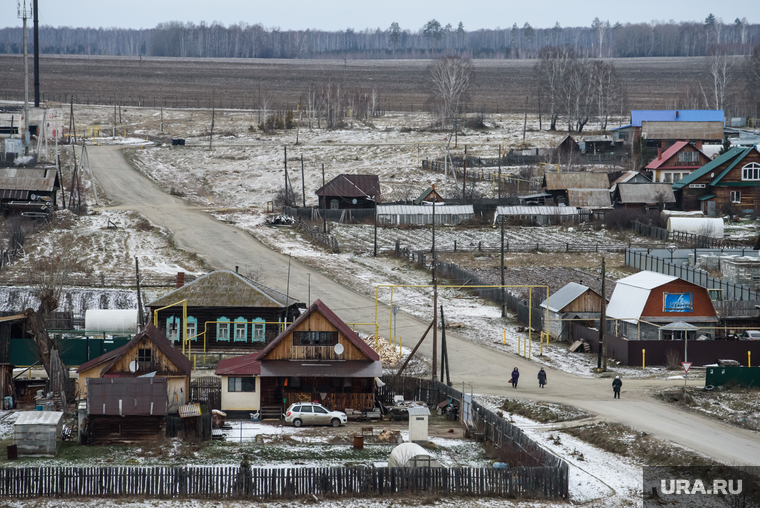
(360, 14)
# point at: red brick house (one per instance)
(732, 179)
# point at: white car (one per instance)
(752, 335)
(310, 413)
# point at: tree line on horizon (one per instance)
(601, 39)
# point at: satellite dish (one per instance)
(354, 201)
(133, 365)
(338, 349)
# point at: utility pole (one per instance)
(140, 317)
(23, 13)
(603, 322)
(601, 327)
(287, 201)
(499, 186)
(303, 183)
(464, 174)
(375, 251)
(324, 203)
(525, 122)
(503, 310)
(435, 300)
(211, 137)
(36, 57)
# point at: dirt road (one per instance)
(223, 247)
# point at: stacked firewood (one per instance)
(385, 349)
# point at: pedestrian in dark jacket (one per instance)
(616, 384)
(541, 377)
(515, 377)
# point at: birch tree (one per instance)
(450, 80)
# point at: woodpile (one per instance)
(388, 356)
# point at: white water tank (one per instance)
(111, 320)
(697, 226)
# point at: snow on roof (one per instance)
(39, 417)
(566, 295)
(647, 280)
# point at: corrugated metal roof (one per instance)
(631, 294)
(589, 197)
(536, 210)
(676, 115)
(224, 289)
(41, 180)
(418, 411)
(565, 296)
(710, 166)
(667, 154)
(646, 193)
(351, 186)
(246, 365)
(323, 368)
(127, 396)
(646, 280)
(579, 180)
(682, 130)
(39, 418)
(425, 210)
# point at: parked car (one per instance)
(751, 335)
(311, 413)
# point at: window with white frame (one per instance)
(259, 330)
(241, 330)
(223, 329)
(172, 328)
(688, 157)
(192, 328)
(736, 196)
(751, 171)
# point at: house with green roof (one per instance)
(225, 312)
(731, 180)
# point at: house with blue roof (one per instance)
(730, 181)
(663, 128)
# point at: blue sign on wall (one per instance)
(678, 302)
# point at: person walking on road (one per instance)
(541, 377)
(616, 384)
(515, 377)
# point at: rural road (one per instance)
(223, 247)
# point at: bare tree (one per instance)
(752, 72)
(607, 90)
(601, 28)
(577, 95)
(550, 75)
(719, 76)
(451, 78)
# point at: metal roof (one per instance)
(425, 210)
(565, 296)
(246, 365)
(536, 210)
(351, 186)
(667, 154)
(679, 325)
(26, 179)
(579, 180)
(589, 197)
(710, 166)
(676, 115)
(39, 417)
(418, 411)
(646, 193)
(224, 288)
(646, 280)
(321, 368)
(127, 396)
(631, 294)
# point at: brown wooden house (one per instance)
(350, 191)
(225, 312)
(731, 180)
(317, 358)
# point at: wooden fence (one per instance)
(644, 261)
(317, 235)
(259, 483)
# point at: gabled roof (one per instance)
(427, 192)
(676, 115)
(351, 186)
(245, 365)
(26, 180)
(320, 307)
(579, 180)
(731, 166)
(646, 193)
(667, 154)
(159, 339)
(646, 280)
(224, 288)
(710, 166)
(588, 198)
(631, 294)
(565, 296)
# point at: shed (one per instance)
(541, 215)
(423, 214)
(642, 195)
(572, 301)
(38, 433)
(411, 455)
(28, 190)
(418, 424)
(704, 226)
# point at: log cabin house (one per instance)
(317, 358)
(730, 181)
(350, 191)
(225, 312)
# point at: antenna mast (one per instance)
(24, 13)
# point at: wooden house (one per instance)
(28, 190)
(678, 161)
(654, 196)
(572, 301)
(558, 184)
(317, 358)
(225, 312)
(732, 180)
(429, 195)
(350, 191)
(149, 352)
(663, 128)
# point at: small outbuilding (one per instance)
(429, 195)
(418, 424)
(572, 301)
(423, 214)
(411, 455)
(38, 433)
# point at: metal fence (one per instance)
(644, 261)
(313, 213)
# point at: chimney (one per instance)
(676, 113)
(659, 154)
(180, 279)
(236, 269)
